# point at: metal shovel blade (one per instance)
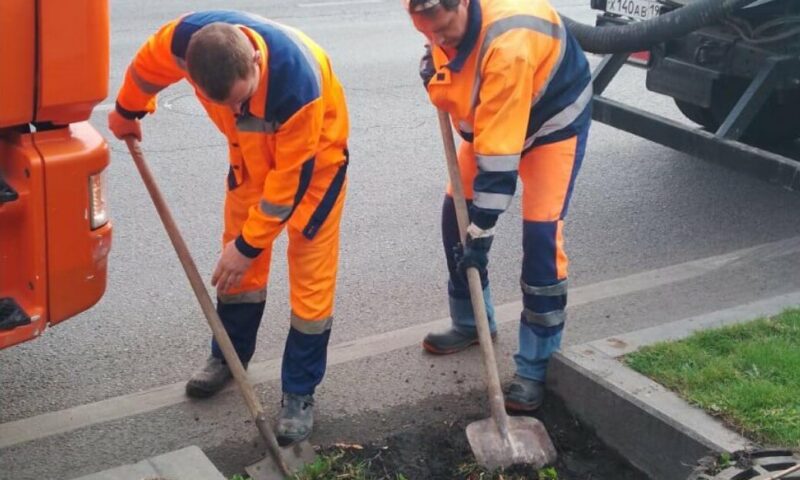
(296, 457)
(527, 442)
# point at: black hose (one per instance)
(637, 36)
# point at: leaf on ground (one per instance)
(348, 446)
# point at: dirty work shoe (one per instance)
(451, 341)
(524, 395)
(296, 419)
(209, 380)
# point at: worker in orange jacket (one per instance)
(273, 94)
(518, 89)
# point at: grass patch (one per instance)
(747, 374)
(340, 464)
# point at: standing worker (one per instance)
(518, 89)
(271, 91)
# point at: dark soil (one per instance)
(441, 451)
(427, 441)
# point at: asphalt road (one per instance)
(637, 207)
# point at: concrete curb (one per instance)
(653, 428)
(188, 463)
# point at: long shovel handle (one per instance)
(783, 473)
(207, 305)
(474, 280)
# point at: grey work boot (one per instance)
(524, 395)
(451, 341)
(209, 380)
(296, 418)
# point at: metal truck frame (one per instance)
(686, 69)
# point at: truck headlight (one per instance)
(98, 214)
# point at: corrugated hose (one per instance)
(637, 36)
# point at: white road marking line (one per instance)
(337, 3)
(53, 423)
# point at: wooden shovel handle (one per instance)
(784, 473)
(474, 280)
(206, 304)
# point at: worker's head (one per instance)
(443, 22)
(224, 64)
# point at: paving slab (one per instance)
(188, 463)
(657, 431)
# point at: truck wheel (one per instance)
(699, 115)
(775, 123)
(752, 465)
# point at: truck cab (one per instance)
(55, 233)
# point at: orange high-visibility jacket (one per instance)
(295, 125)
(518, 79)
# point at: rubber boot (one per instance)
(296, 419)
(524, 395)
(210, 379)
(462, 333)
(451, 341)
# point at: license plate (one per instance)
(637, 9)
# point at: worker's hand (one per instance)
(230, 268)
(123, 127)
(476, 251)
(426, 67)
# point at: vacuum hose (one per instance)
(637, 36)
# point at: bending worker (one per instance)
(518, 89)
(271, 91)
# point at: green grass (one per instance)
(548, 473)
(341, 464)
(333, 465)
(748, 375)
(473, 471)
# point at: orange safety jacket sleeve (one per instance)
(501, 120)
(152, 69)
(296, 143)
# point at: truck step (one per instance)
(11, 314)
(7, 194)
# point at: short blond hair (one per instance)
(217, 56)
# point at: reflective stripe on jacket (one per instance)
(294, 125)
(518, 79)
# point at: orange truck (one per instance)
(55, 233)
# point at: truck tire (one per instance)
(775, 123)
(752, 465)
(699, 115)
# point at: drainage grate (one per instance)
(754, 465)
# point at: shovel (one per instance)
(281, 461)
(498, 441)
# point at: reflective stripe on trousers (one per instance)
(313, 266)
(548, 174)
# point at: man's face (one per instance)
(442, 27)
(243, 88)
